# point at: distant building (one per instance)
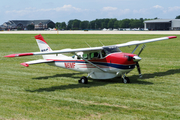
(162, 24)
(23, 24)
(2, 27)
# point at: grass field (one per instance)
(46, 92)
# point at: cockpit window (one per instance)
(111, 49)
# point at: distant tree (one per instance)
(58, 25)
(84, 25)
(98, 23)
(70, 24)
(30, 27)
(92, 24)
(111, 24)
(106, 21)
(135, 23)
(142, 22)
(103, 25)
(74, 24)
(124, 23)
(116, 24)
(178, 17)
(51, 25)
(63, 25)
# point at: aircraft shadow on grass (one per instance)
(95, 83)
(72, 75)
(160, 74)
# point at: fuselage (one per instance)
(115, 64)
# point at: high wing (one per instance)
(144, 41)
(56, 52)
(90, 49)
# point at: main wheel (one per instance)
(126, 80)
(83, 80)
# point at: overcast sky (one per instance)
(65, 10)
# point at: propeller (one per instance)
(137, 59)
(137, 64)
(139, 69)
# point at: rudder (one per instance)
(43, 46)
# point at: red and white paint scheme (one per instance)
(105, 62)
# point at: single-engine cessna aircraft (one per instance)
(105, 62)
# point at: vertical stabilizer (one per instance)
(43, 46)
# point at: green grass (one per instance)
(46, 92)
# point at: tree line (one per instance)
(103, 23)
(100, 24)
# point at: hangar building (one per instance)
(22, 24)
(162, 24)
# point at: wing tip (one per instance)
(19, 55)
(171, 37)
(12, 55)
(25, 64)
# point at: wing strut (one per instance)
(135, 48)
(142, 49)
(90, 63)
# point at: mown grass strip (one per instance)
(46, 92)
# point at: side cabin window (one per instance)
(85, 56)
(99, 54)
(110, 49)
(92, 55)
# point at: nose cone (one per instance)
(136, 58)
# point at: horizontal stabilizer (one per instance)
(26, 64)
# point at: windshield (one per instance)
(111, 49)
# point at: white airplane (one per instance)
(105, 62)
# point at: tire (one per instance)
(83, 80)
(126, 80)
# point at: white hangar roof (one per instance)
(159, 21)
(162, 23)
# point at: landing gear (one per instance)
(125, 79)
(83, 80)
